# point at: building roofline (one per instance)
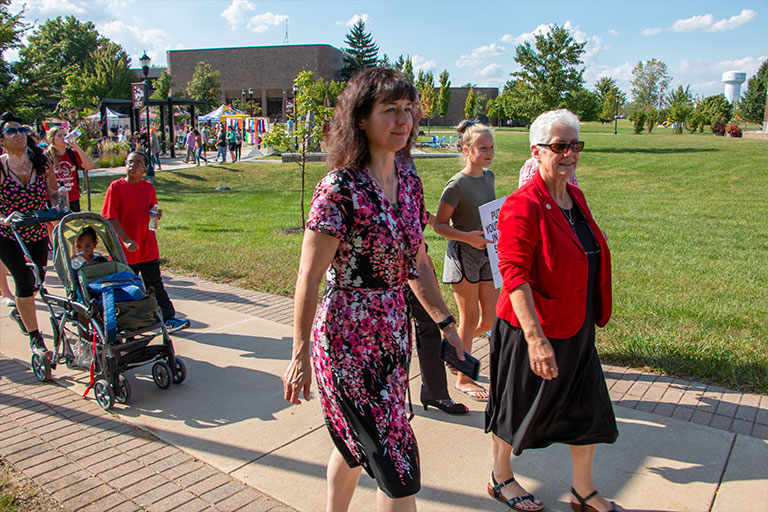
(250, 47)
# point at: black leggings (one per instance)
(13, 258)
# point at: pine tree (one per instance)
(361, 51)
(752, 104)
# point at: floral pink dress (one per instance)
(362, 335)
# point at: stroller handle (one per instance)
(18, 219)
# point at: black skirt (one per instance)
(527, 411)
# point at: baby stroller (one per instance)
(107, 321)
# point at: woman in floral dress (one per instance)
(364, 228)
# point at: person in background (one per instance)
(221, 144)
(66, 162)
(189, 144)
(154, 148)
(232, 142)
(528, 171)
(126, 206)
(199, 147)
(25, 179)
(547, 385)
(239, 142)
(467, 266)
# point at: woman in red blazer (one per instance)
(547, 385)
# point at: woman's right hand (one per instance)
(541, 357)
(477, 239)
(297, 378)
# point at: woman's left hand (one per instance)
(541, 357)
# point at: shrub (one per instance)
(110, 159)
(638, 123)
(733, 130)
(718, 127)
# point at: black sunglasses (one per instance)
(13, 131)
(562, 147)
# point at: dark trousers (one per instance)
(13, 258)
(434, 385)
(150, 273)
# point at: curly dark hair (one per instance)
(347, 143)
(36, 155)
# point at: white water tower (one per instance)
(733, 81)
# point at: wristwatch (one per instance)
(446, 322)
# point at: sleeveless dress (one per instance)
(362, 335)
(15, 197)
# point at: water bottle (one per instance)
(78, 261)
(153, 217)
(73, 136)
(63, 204)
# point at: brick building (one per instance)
(268, 70)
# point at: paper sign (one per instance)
(489, 217)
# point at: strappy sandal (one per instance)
(582, 506)
(495, 492)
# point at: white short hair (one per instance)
(541, 128)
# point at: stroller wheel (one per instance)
(161, 374)
(41, 367)
(179, 370)
(123, 392)
(104, 394)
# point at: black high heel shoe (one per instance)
(446, 405)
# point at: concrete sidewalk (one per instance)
(226, 440)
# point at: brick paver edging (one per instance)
(732, 411)
(88, 459)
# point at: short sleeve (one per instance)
(332, 208)
(451, 193)
(111, 207)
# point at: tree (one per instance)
(361, 51)
(55, 49)
(519, 101)
(494, 110)
(550, 68)
(680, 106)
(11, 30)
(752, 105)
(163, 86)
(408, 69)
(106, 74)
(649, 81)
(311, 116)
(205, 85)
(610, 97)
(444, 96)
(425, 83)
(715, 109)
(583, 103)
(470, 106)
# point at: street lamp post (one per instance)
(250, 101)
(242, 97)
(145, 60)
(616, 118)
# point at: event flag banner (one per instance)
(137, 92)
(489, 216)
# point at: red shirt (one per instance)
(66, 174)
(130, 204)
(537, 246)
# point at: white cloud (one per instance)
(614, 33)
(651, 31)
(422, 64)
(354, 19)
(749, 65)
(478, 55)
(525, 36)
(136, 39)
(491, 71)
(263, 22)
(707, 23)
(49, 7)
(237, 11)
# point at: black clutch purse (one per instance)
(469, 367)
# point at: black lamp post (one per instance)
(145, 60)
(242, 97)
(250, 101)
(616, 118)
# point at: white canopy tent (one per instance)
(113, 119)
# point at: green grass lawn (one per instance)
(685, 216)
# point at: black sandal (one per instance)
(582, 506)
(495, 493)
(446, 405)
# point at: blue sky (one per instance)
(474, 41)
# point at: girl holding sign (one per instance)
(467, 268)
